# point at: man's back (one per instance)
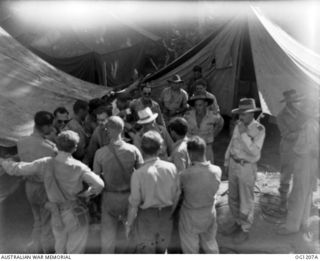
(200, 182)
(106, 163)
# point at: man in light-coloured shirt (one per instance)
(154, 194)
(289, 122)
(241, 159)
(305, 168)
(31, 148)
(178, 128)
(76, 124)
(199, 184)
(202, 121)
(115, 163)
(173, 99)
(63, 177)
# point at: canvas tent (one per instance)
(29, 84)
(277, 61)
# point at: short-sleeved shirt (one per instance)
(179, 156)
(34, 147)
(207, 125)
(154, 185)
(173, 100)
(116, 178)
(69, 172)
(138, 105)
(200, 183)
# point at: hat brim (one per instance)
(175, 81)
(240, 111)
(151, 119)
(192, 101)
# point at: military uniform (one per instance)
(206, 129)
(31, 148)
(241, 158)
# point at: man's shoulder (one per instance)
(166, 164)
(258, 126)
(183, 92)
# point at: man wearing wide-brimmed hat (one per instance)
(202, 121)
(241, 159)
(147, 119)
(173, 99)
(288, 122)
(305, 167)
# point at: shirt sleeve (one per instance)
(184, 100)
(24, 168)
(97, 168)
(135, 197)
(179, 161)
(253, 145)
(139, 159)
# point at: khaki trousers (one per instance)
(241, 192)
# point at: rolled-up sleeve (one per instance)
(93, 180)
(24, 168)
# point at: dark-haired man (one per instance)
(31, 148)
(196, 76)
(76, 124)
(178, 128)
(63, 177)
(61, 118)
(154, 195)
(199, 184)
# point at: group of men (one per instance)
(152, 165)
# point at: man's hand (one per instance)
(242, 128)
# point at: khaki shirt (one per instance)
(69, 172)
(154, 185)
(34, 147)
(117, 178)
(200, 183)
(207, 125)
(180, 156)
(172, 100)
(246, 146)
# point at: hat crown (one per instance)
(144, 114)
(247, 104)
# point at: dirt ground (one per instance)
(16, 217)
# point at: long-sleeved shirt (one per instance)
(116, 178)
(154, 185)
(34, 147)
(69, 172)
(207, 125)
(179, 156)
(200, 183)
(247, 145)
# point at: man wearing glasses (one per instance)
(146, 101)
(61, 118)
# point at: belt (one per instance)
(157, 208)
(240, 161)
(117, 191)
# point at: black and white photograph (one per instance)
(159, 127)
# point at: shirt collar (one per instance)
(178, 142)
(62, 155)
(252, 123)
(198, 163)
(149, 160)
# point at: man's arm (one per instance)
(24, 168)
(92, 148)
(95, 183)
